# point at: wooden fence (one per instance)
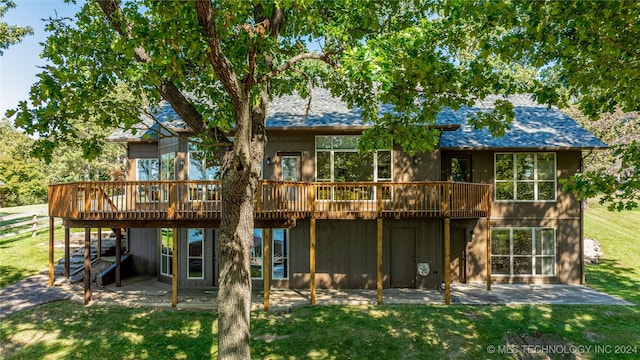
(16, 224)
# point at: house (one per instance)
(477, 209)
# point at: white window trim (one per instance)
(261, 259)
(138, 168)
(535, 180)
(201, 257)
(168, 256)
(533, 255)
(273, 263)
(332, 152)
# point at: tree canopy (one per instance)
(583, 52)
(219, 63)
(10, 34)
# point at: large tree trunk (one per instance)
(239, 182)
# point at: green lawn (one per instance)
(24, 255)
(68, 330)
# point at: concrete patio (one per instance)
(145, 291)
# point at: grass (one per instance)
(69, 330)
(23, 255)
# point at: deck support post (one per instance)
(490, 198)
(174, 270)
(489, 251)
(87, 265)
(99, 253)
(266, 248)
(67, 252)
(379, 261)
(51, 248)
(447, 261)
(447, 244)
(312, 260)
(118, 255)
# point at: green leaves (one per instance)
(10, 34)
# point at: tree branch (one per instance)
(292, 61)
(167, 88)
(221, 65)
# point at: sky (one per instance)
(19, 63)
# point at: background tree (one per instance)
(585, 52)
(10, 34)
(609, 174)
(219, 63)
(25, 181)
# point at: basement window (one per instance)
(523, 251)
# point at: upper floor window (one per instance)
(167, 166)
(147, 169)
(202, 166)
(525, 176)
(338, 160)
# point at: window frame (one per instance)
(202, 192)
(284, 257)
(536, 181)
(259, 254)
(147, 193)
(332, 149)
(532, 255)
(193, 257)
(168, 256)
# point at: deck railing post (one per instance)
(171, 209)
(259, 198)
(87, 200)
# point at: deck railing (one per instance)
(275, 200)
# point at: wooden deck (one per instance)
(190, 203)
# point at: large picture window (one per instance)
(525, 176)
(147, 170)
(523, 251)
(195, 254)
(338, 160)
(203, 166)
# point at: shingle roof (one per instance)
(288, 111)
(148, 128)
(535, 126)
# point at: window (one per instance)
(525, 176)
(256, 255)
(147, 170)
(167, 167)
(195, 254)
(203, 166)
(166, 251)
(167, 172)
(338, 160)
(280, 254)
(523, 251)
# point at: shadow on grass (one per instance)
(67, 330)
(608, 276)
(10, 275)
